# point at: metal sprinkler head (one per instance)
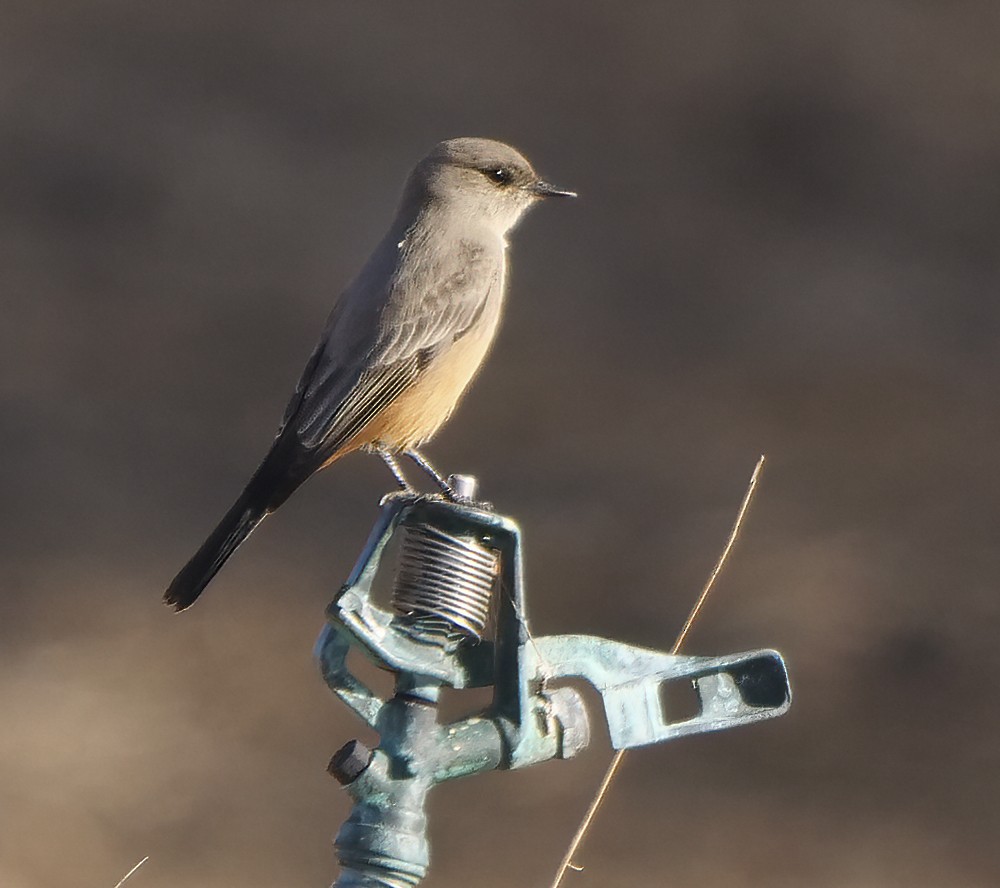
(458, 619)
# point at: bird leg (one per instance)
(432, 473)
(394, 467)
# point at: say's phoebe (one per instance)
(402, 343)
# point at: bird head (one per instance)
(481, 180)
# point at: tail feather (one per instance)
(234, 528)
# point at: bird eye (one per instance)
(500, 175)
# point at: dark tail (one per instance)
(237, 525)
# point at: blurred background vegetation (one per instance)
(786, 243)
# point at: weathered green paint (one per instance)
(383, 843)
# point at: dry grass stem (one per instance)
(609, 775)
(128, 875)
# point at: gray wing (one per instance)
(369, 356)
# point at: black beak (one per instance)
(543, 189)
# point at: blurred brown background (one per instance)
(786, 243)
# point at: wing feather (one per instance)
(345, 388)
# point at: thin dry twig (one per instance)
(733, 534)
(127, 875)
(609, 775)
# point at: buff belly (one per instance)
(417, 414)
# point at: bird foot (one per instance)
(459, 489)
(397, 472)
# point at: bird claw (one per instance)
(450, 489)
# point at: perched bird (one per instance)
(403, 341)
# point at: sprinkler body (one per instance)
(438, 638)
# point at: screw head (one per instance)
(350, 762)
(465, 486)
